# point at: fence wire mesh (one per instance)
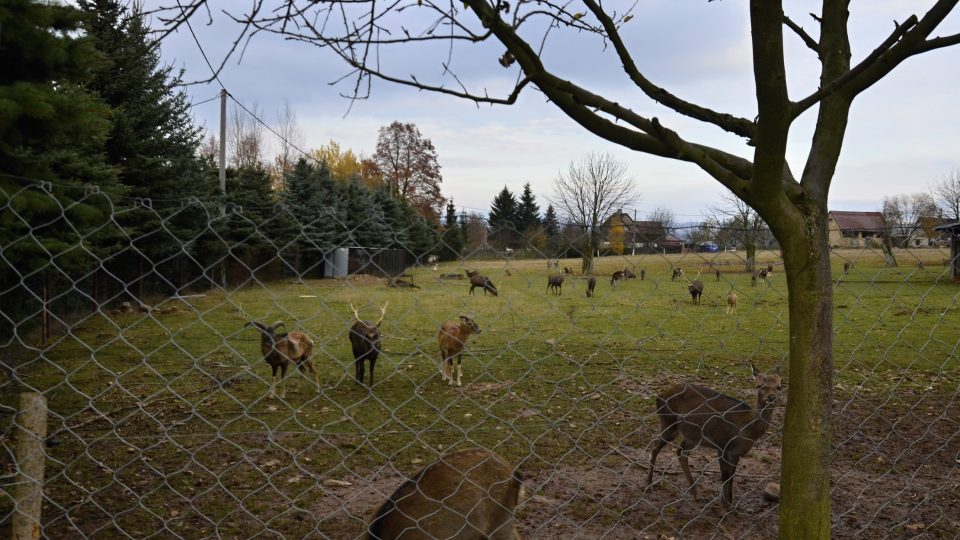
(131, 318)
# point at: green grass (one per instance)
(165, 419)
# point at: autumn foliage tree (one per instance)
(408, 162)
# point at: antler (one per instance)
(355, 314)
(383, 313)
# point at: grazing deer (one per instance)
(702, 416)
(453, 338)
(847, 266)
(643, 275)
(470, 494)
(365, 341)
(718, 274)
(677, 274)
(556, 283)
(616, 277)
(628, 274)
(479, 280)
(731, 302)
(279, 350)
(591, 286)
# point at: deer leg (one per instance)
(273, 381)
(359, 369)
(283, 381)
(682, 451)
(657, 446)
(449, 370)
(459, 367)
(728, 468)
(373, 362)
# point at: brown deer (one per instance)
(731, 302)
(482, 281)
(591, 286)
(453, 339)
(470, 494)
(616, 277)
(365, 342)
(279, 350)
(555, 283)
(704, 416)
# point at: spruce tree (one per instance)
(528, 212)
(503, 219)
(52, 129)
(551, 228)
(365, 222)
(453, 240)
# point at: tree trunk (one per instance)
(805, 473)
(887, 244)
(751, 263)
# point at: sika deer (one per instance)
(696, 290)
(453, 338)
(701, 415)
(555, 283)
(591, 286)
(365, 342)
(470, 494)
(616, 277)
(280, 349)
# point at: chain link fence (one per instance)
(161, 424)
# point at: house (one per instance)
(928, 234)
(642, 236)
(854, 229)
(952, 231)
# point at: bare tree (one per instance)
(794, 207)
(743, 225)
(291, 138)
(245, 137)
(946, 193)
(666, 221)
(902, 217)
(589, 192)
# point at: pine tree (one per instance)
(528, 212)
(153, 141)
(311, 198)
(503, 219)
(453, 240)
(52, 128)
(398, 235)
(551, 228)
(365, 221)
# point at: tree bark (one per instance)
(751, 247)
(805, 473)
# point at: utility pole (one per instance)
(223, 144)
(633, 243)
(223, 173)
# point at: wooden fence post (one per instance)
(31, 429)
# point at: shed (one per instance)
(953, 230)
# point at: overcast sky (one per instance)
(903, 135)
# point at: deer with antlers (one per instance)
(365, 340)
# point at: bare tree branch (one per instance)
(804, 36)
(739, 126)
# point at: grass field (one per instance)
(165, 428)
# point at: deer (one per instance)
(703, 416)
(453, 339)
(731, 302)
(695, 287)
(482, 281)
(677, 274)
(555, 283)
(643, 274)
(365, 342)
(470, 494)
(279, 350)
(591, 286)
(718, 274)
(616, 277)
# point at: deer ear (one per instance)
(776, 370)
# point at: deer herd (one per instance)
(473, 493)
